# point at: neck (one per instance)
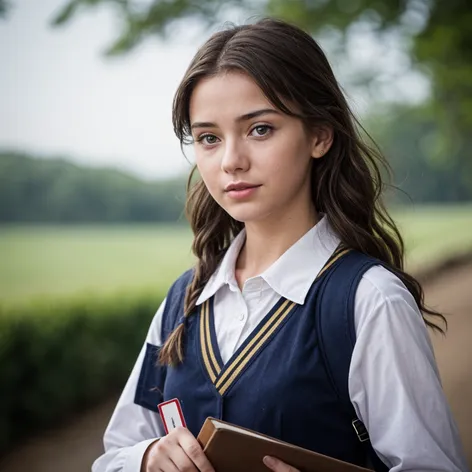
(267, 240)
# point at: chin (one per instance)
(246, 215)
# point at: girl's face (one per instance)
(254, 160)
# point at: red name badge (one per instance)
(171, 415)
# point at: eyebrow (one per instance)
(245, 117)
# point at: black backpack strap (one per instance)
(337, 335)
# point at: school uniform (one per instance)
(253, 357)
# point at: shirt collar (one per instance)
(224, 274)
(292, 274)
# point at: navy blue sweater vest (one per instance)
(289, 379)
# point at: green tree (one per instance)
(438, 35)
(440, 32)
(412, 141)
(4, 6)
(54, 190)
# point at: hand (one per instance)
(179, 451)
(277, 465)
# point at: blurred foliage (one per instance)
(425, 168)
(437, 35)
(440, 31)
(4, 6)
(59, 357)
(55, 191)
(46, 190)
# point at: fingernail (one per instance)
(269, 461)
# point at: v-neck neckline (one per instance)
(224, 375)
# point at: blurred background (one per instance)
(92, 187)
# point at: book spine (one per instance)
(205, 434)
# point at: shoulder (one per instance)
(383, 283)
(181, 283)
(176, 294)
(174, 308)
(172, 302)
(382, 297)
(177, 290)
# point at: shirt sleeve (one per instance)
(394, 383)
(132, 428)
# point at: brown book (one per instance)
(231, 448)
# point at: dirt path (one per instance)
(452, 294)
(73, 449)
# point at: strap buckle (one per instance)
(360, 429)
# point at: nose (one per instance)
(235, 158)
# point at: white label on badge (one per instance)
(171, 414)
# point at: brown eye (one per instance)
(208, 139)
(261, 130)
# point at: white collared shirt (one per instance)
(393, 379)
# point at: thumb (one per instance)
(277, 465)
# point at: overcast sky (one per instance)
(60, 97)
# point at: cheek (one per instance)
(287, 159)
(208, 170)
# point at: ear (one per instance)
(322, 141)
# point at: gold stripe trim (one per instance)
(251, 343)
(232, 372)
(332, 261)
(243, 364)
(203, 342)
(341, 247)
(215, 365)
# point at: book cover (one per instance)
(231, 448)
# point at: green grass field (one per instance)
(62, 260)
(434, 233)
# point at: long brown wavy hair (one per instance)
(290, 68)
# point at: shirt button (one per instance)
(241, 317)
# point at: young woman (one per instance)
(299, 268)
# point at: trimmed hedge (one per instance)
(57, 357)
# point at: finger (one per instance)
(161, 454)
(277, 465)
(182, 461)
(164, 464)
(195, 452)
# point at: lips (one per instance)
(239, 186)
